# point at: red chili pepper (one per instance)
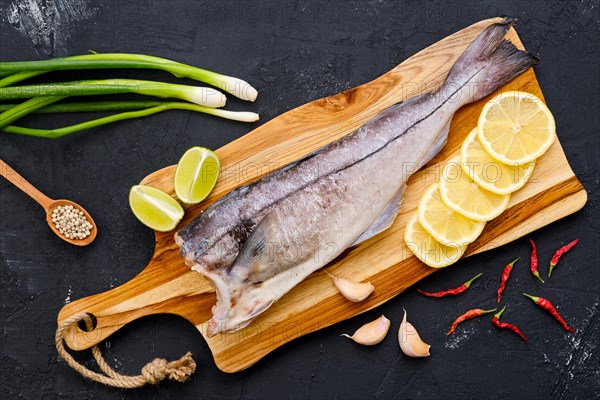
(534, 261)
(548, 306)
(505, 274)
(559, 254)
(456, 290)
(477, 312)
(505, 325)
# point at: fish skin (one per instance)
(259, 241)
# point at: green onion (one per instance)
(59, 132)
(200, 95)
(41, 97)
(235, 86)
(18, 77)
(20, 110)
(91, 106)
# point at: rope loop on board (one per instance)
(152, 373)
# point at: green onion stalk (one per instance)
(90, 106)
(18, 111)
(199, 95)
(21, 70)
(18, 77)
(153, 109)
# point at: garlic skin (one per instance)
(410, 341)
(371, 333)
(353, 291)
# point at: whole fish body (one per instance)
(262, 239)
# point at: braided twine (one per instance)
(152, 373)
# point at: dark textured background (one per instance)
(293, 53)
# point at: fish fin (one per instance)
(215, 327)
(409, 101)
(253, 249)
(439, 143)
(385, 219)
(255, 313)
(489, 62)
(395, 108)
(415, 98)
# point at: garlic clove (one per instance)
(410, 341)
(353, 291)
(371, 333)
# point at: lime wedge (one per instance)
(154, 208)
(196, 175)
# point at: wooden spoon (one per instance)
(48, 204)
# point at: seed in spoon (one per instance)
(71, 222)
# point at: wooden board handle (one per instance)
(156, 290)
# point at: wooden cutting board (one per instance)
(167, 285)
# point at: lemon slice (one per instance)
(443, 223)
(427, 249)
(466, 197)
(489, 173)
(516, 127)
(196, 175)
(154, 208)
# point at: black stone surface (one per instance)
(293, 52)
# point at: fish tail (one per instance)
(489, 62)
